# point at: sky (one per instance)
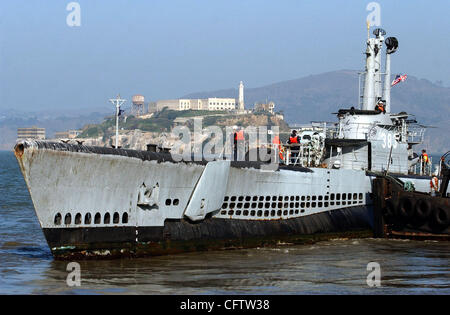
(165, 49)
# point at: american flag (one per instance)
(399, 78)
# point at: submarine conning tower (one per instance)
(368, 138)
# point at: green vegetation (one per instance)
(163, 121)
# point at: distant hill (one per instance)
(315, 97)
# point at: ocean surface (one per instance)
(333, 267)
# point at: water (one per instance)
(333, 267)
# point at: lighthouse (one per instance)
(241, 96)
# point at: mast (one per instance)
(372, 84)
(391, 47)
(117, 102)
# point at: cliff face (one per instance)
(104, 134)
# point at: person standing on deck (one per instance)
(425, 161)
(434, 184)
(239, 144)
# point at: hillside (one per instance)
(315, 97)
(164, 121)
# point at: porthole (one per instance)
(241, 198)
(313, 204)
(292, 198)
(168, 202)
(226, 198)
(292, 204)
(267, 205)
(58, 218)
(303, 198)
(260, 205)
(125, 217)
(297, 204)
(78, 218)
(274, 198)
(308, 204)
(279, 213)
(255, 198)
(285, 212)
(266, 213)
(97, 218)
(238, 212)
(248, 198)
(267, 198)
(272, 213)
(355, 196)
(338, 196)
(107, 218)
(302, 205)
(314, 197)
(225, 205)
(291, 212)
(280, 205)
(233, 198)
(116, 218)
(261, 198)
(239, 205)
(68, 219)
(259, 213)
(87, 218)
(332, 196)
(320, 197)
(349, 196)
(223, 212)
(232, 205)
(286, 198)
(252, 213)
(246, 212)
(296, 211)
(231, 212)
(247, 205)
(344, 196)
(297, 198)
(254, 205)
(176, 202)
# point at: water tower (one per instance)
(137, 107)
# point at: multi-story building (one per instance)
(198, 104)
(31, 133)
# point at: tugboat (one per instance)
(401, 212)
(113, 202)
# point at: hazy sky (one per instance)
(165, 49)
